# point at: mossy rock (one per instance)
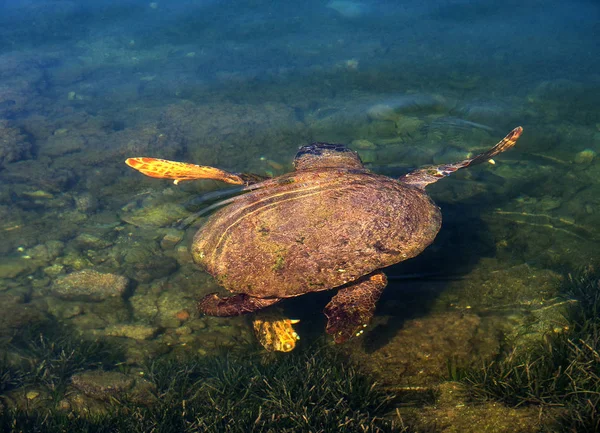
(89, 285)
(12, 267)
(133, 331)
(160, 215)
(107, 385)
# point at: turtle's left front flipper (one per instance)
(352, 308)
(178, 171)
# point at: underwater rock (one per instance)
(86, 203)
(368, 156)
(11, 267)
(233, 135)
(486, 112)
(183, 256)
(144, 305)
(585, 156)
(89, 285)
(12, 298)
(75, 261)
(408, 125)
(46, 252)
(87, 321)
(450, 153)
(14, 145)
(102, 385)
(107, 385)
(454, 411)
(386, 122)
(145, 263)
(338, 124)
(147, 139)
(418, 103)
(111, 311)
(418, 351)
(497, 288)
(546, 204)
(22, 78)
(59, 145)
(523, 301)
(36, 177)
(381, 112)
(183, 315)
(170, 304)
(89, 241)
(63, 309)
(532, 325)
(171, 238)
(379, 128)
(27, 398)
(362, 145)
(559, 90)
(9, 101)
(133, 331)
(159, 215)
(38, 194)
(418, 154)
(19, 316)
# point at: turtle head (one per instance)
(325, 155)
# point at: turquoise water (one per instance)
(89, 243)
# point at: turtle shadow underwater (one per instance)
(415, 286)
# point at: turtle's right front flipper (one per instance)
(430, 174)
(178, 171)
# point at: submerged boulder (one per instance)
(106, 385)
(14, 145)
(89, 285)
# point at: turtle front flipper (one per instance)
(178, 171)
(236, 305)
(352, 308)
(430, 174)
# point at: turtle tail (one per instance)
(432, 173)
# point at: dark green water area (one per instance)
(495, 327)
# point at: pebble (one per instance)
(585, 156)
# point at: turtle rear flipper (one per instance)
(432, 173)
(352, 308)
(178, 171)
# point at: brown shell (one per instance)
(314, 230)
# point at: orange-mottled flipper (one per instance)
(178, 171)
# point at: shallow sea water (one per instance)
(93, 245)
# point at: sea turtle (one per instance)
(330, 224)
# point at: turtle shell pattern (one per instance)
(314, 229)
